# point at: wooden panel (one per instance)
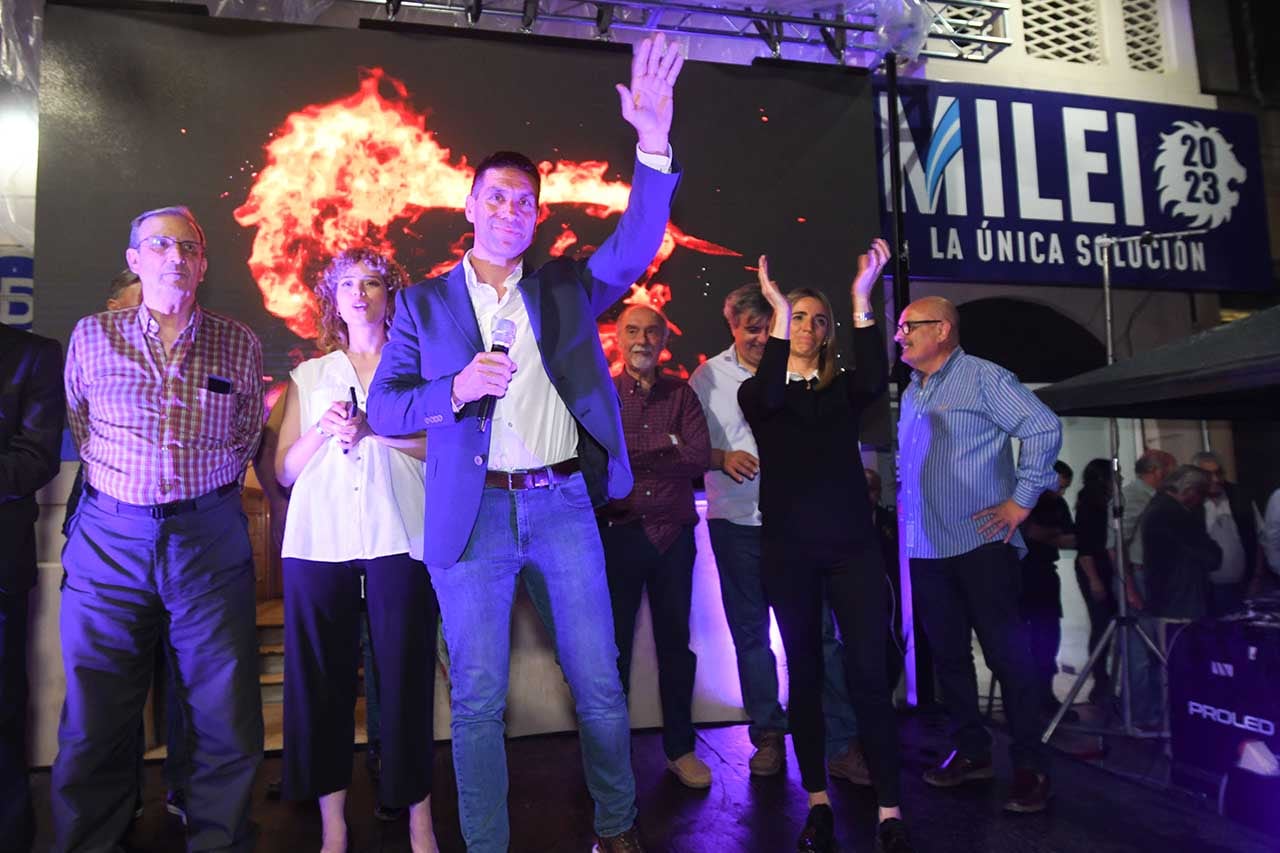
(266, 556)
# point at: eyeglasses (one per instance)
(906, 327)
(161, 244)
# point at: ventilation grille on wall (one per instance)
(1143, 38)
(1065, 30)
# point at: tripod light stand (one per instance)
(1123, 628)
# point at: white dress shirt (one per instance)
(1222, 528)
(716, 383)
(532, 427)
(1270, 535)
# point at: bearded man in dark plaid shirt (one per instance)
(165, 403)
(648, 535)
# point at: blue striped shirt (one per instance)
(956, 453)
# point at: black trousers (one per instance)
(978, 591)
(322, 610)
(633, 563)
(858, 591)
(1041, 607)
(1100, 615)
(17, 821)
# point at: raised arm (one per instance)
(871, 363)
(765, 393)
(647, 105)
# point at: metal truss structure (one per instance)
(845, 33)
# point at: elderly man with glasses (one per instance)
(165, 403)
(962, 498)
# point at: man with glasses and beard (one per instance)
(648, 535)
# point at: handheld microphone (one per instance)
(351, 410)
(504, 335)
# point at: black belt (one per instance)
(538, 478)
(165, 510)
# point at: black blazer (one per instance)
(32, 412)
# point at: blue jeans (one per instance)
(548, 537)
(737, 552)
(1146, 699)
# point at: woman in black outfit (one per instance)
(1093, 563)
(818, 531)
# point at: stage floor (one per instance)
(1091, 809)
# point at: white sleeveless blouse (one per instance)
(356, 506)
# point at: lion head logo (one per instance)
(1198, 175)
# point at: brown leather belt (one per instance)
(538, 478)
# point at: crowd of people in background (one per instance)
(1192, 545)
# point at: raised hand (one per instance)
(647, 104)
(769, 287)
(870, 265)
(780, 327)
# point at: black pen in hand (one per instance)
(351, 410)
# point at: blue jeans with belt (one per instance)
(549, 537)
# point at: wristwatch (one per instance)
(864, 316)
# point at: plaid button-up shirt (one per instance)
(154, 428)
(668, 446)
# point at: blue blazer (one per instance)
(435, 335)
(32, 410)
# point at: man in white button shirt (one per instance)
(1233, 520)
(512, 497)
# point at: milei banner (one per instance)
(1014, 186)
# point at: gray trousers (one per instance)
(129, 576)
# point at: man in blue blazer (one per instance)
(512, 495)
(31, 417)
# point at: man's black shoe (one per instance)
(956, 770)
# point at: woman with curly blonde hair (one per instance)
(354, 528)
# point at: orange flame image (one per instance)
(357, 170)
